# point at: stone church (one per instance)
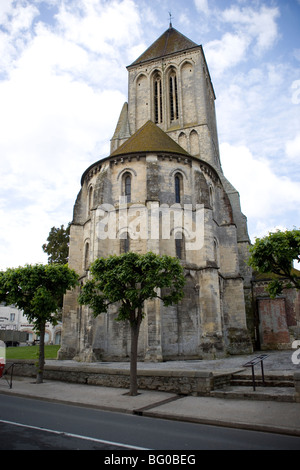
(162, 189)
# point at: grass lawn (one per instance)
(31, 352)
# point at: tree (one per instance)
(275, 254)
(57, 247)
(37, 290)
(130, 279)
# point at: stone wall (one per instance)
(277, 320)
(211, 320)
(195, 128)
(198, 383)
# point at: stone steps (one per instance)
(270, 380)
(282, 394)
(277, 387)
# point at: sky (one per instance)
(63, 82)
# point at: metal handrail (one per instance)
(252, 363)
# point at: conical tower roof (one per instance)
(149, 139)
(122, 129)
(170, 42)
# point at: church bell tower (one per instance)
(170, 85)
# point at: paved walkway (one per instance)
(276, 361)
(271, 416)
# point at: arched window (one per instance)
(182, 140)
(216, 252)
(189, 109)
(180, 245)
(173, 93)
(141, 103)
(178, 187)
(211, 196)
(127, 186)
(124, 242)
(90, 199)
(87, 257)
(158, 113)
(194, 143)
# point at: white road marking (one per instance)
(78, 436)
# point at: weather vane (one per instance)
(171, 17)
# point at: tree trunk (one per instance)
(41, 362)
(135, 328)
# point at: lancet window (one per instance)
(180, 246)
(127, 186)
(87, 256)
(173, 93)
(90, 200)
(178, 187)
(124, 242)
(158, 112)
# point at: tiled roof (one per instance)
(149, 139)
(169, 42)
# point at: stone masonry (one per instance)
(165, 161)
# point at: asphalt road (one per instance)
(34, 424)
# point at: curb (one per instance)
(226, 424)
(146, 412)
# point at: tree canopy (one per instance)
(57, 247)
(37, 290)
(130, 279)
(275, 254)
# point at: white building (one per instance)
(11, 318)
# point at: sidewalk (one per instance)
(270, 416)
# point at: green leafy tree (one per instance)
(37, 290)
(131, 279)
(275, 254)
(57, 247)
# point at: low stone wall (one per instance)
(196, 383)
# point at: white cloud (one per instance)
(260, 24)
(59, 106)
(265, 196)
(251, 28)
(292, 148)
(16, 17)
(52, 112)
(225, 53)
(63, 83)
(16, 21)
(202, 6)
(295, 92)
(100, 26)
(21, 18)
(5, 9)
(255, 109)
